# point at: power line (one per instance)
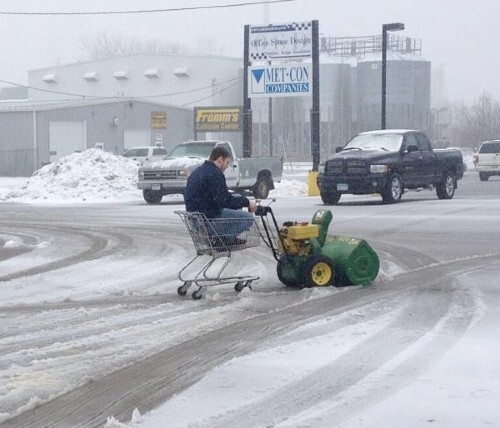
(210, 96)
(48, 90)
(168, 94)
(125, 12)
(207, 97)
(197, 89)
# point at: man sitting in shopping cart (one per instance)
(207, 192)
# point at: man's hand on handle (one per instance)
(252, 206)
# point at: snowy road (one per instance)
(92, 327)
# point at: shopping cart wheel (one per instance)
(182, 290)
(240, 285)
(198, 294)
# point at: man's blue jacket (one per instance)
(207, 192)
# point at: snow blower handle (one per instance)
(270, 238)
(263, 210)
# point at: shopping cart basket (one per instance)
(214, 240)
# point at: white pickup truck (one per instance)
(169, 175)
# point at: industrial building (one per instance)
(350, 95)
(34, 133)
(112, 103)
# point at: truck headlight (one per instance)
(141, 175)
(184, 173)
(321, 168)
(379, 168)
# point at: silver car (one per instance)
(487, 159)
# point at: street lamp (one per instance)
(396, 26)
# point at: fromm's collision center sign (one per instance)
(218, 119)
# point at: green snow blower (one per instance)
(308, 257)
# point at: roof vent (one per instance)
(50, 78)
(181, 72)
(120, 75)
(91, 76)
(152, 73)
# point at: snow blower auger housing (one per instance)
(308, 257)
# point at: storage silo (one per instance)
(291, 115)
(407, 92)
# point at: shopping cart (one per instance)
(214, 240)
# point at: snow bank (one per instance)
(87, 176)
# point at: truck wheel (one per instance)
(319, 272)
(483, 176)
(261, 188)
(446, 188)
(393, 191)
(330, 198)
(152, 196)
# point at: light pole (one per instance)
(396, 26)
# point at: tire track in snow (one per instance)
(429, 317)
(99, 246)
(148, 383)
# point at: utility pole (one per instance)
(397, 26)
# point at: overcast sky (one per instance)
(461, 35)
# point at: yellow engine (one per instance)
(296, 238)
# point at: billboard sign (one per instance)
(158, 119)
(218, 119)
(293, 40)
(286, 80)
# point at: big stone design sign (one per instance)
(270, 42)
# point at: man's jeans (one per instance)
(231, 223)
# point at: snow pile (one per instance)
(91, 175)
(289, 188)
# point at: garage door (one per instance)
(66, 138)
(136, 137)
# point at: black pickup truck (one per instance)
(388, 162)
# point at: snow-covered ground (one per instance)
(461, 389)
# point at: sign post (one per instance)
(315, 114)
(247, 103)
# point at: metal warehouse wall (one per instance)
(104, 123)
(17, 149)
(182, 80)
(107, 123)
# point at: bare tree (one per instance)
(103, 46)
(476, 123)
